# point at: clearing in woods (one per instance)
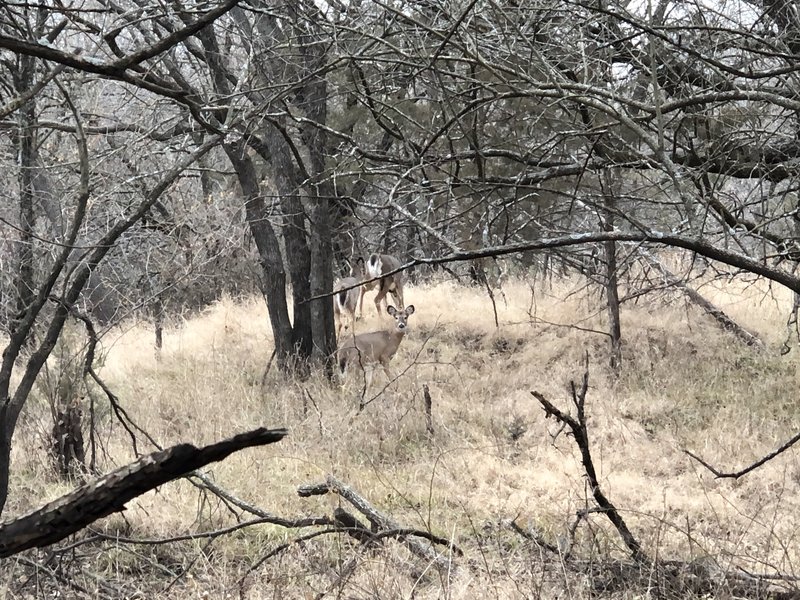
(493, 456)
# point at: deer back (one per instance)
(380, 264)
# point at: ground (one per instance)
(492, 457)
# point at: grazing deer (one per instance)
(376, 266)
(345, 302)
(369, 349)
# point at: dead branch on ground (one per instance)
(579, 432)
(110, 493)
(384, 526)
(722, 319)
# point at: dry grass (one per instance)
(493, 456)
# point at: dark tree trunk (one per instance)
(158, 318)
(612, 289)
(612, 296)
(274, 282)
(24, 284)
(298, 259)
(275, 151)
(322, 323)
(314, 96)
(25, 149)
(68, 451)
(6, 435)
(291, 342)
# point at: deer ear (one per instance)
(391, 310)
(410, 309)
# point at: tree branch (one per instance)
(699, 246)
(580, 434)
(736, 474)
(110, 493)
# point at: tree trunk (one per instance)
(274, 282)
(314, 97)
(158, 322)
(24, 284)
(612, 290)
(291, 342)
(298, 259)
(25, 148)
(6, 435)
(322, 323)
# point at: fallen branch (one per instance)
(110, 493)
(532, 536)
(355, 528)
(736, 474)
(580, 434)
(384, 526)
(722, 319)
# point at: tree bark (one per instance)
(612, 288)
(322, 322)
(108, 494)
(25, 148)
(612, 299)
(298, 259)
(269, 251)
(314, 96)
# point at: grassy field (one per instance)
(493, 456)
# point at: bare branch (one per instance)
(110, 493)
(381, 522)
(736, 474)
(579, 432)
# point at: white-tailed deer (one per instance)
(345, 302)
(376, 266)
(377, 347)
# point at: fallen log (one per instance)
(109, 493)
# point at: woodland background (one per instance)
(576, 189)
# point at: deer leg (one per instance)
(368, 373)
(381, 296)
(341, 359)
(361, 299)
(337, 320)
(398, 297)
(388, 372)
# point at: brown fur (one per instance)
(376, 347)
(377, 265)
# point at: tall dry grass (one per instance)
(493, 457)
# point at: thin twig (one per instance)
(736, 474)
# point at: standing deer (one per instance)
(345, 302)
(369, 349)
(376, 266)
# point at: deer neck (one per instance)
(395, 337)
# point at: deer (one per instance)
(376, 266)
(377, 347)
(345, 302)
